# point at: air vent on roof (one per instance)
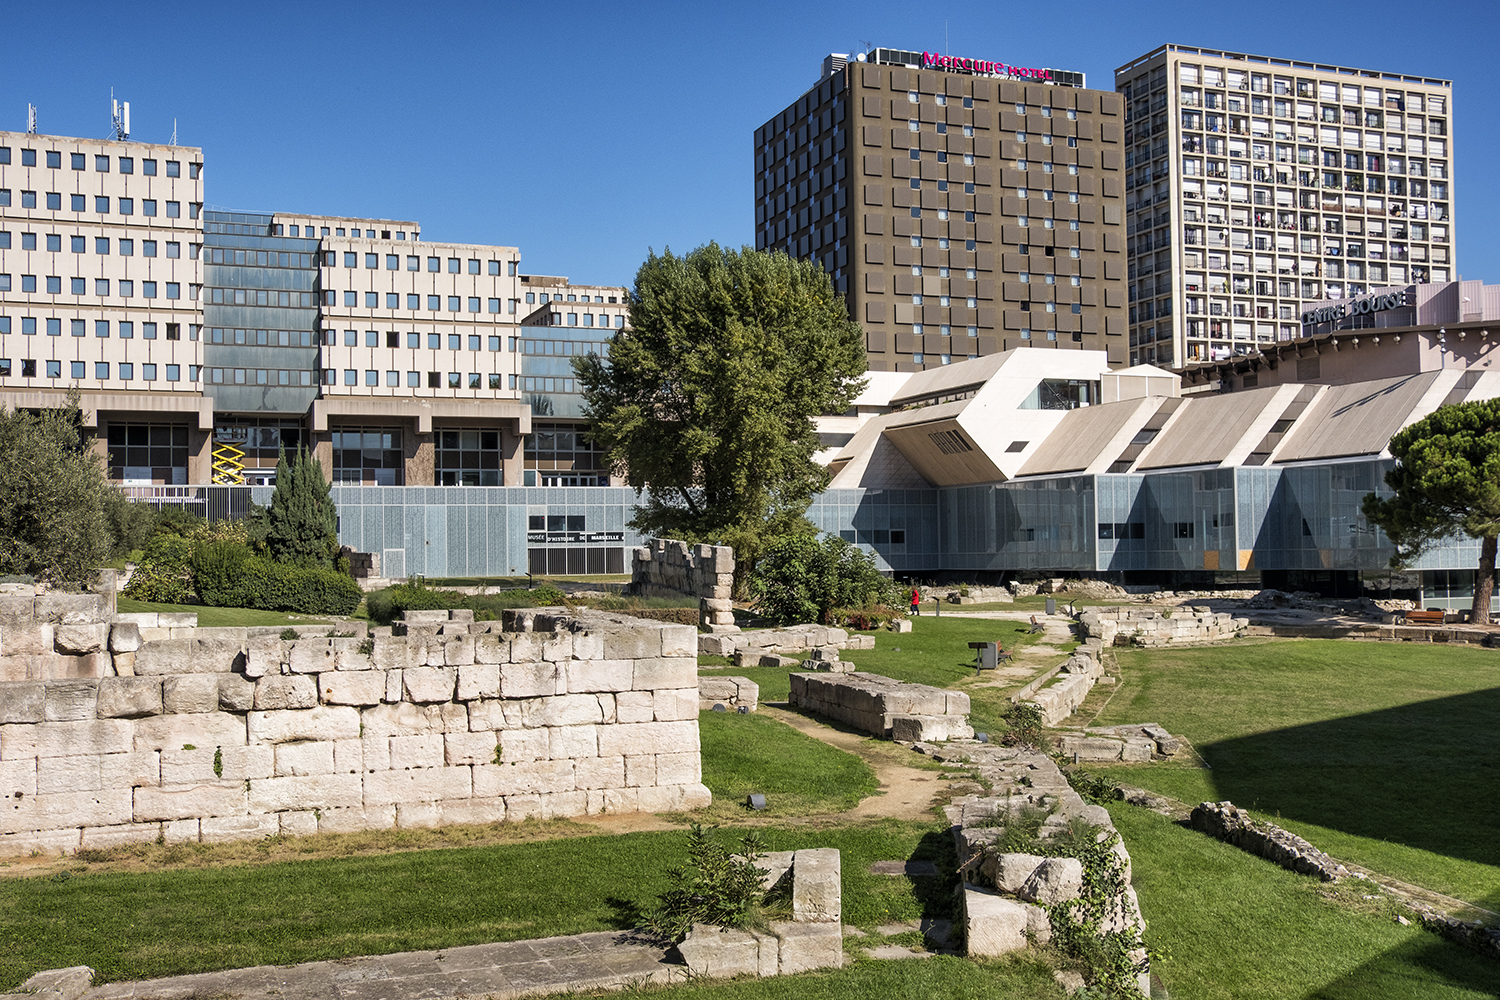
(950, 442)
(1017, 446)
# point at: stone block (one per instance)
(675, 705)
(188, 656)
(634, 642)
(104, 837)
(599, 772)
(306, 792)
(1055, 880)
(523, 777)
(264, 654)
(557, 647)
(178, 619)
(532, 679)
(285, 691)
(665, 672)
(492, 647)
(196, 766)
(349, 687)
(80, 639)
(56, 607)
(222, 829)
(458, 650)
(673, 798)
(1090, 747)
(191, 693)
(562, 710)
(298, 824)
(635, 706)
(181, 831)
(519, 745)
(304, 758)
(816, 885)
(649, 738)
(63, 984)
(345, 819)
(478, 680)
(23, 702)
(901, 626)
(406, 719)
(599, 675)
(993, 924)
(187, 801)
(68, 774)
(129, 770)
(679, 769)
(1137, 749)
(611, 801)
(71, 701)
(393, 687)
(719, 952)
(58, 810)
(929, 728)
(804, 947)
(395, 653)
(67, 739)
(1010, 871)
(39, 842)
(419, 785)
(18, 778)
(679, 640)
(573, 742)
(236, 693)
(321, 723)
(311, 656)
(416, 751)
(469, 748)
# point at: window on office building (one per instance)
(467, 458)
(369, 456)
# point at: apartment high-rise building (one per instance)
(1255, 185)
(963, 207)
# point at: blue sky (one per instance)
(586, 133)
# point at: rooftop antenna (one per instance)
(174, 133)
(946, 50)
(119, 116)
(31, 119)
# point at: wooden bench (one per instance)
(1424, 617)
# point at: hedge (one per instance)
(228, 575)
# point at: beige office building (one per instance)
(964, 207)
(1256, 185)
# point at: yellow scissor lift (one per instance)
(229, 465)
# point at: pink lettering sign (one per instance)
(935, 61)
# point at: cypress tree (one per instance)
(302, 522)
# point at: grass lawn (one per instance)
(798, 774)
(937, 978)
(935, 652)
(217, 617)
(179, 919)
(1383, 754)
(1237, 926)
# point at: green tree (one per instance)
(301, 524)
(800, 579)
(55, 501)
(1446, 481)
(707, 400)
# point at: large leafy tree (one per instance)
(1446, 482)
(56, 505)
(301, 525)
(707, 400)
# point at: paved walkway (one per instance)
(580, 962)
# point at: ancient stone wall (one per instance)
(666, 568)
(228, 733)
(884, 707)
(1153, 627)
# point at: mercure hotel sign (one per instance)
(931, 60)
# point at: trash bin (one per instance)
(988, 655)
(1051, 605)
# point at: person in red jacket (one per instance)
(916, 599)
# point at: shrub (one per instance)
(219, 575)
(1024, 728)
(385, 606)
(548, 597)
(714, 887)
(801, 579)
(227, 575)
(865, 619)
(162, 574)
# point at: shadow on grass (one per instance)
(1426, 966)
(1426, 774)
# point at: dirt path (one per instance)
(905, 792)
